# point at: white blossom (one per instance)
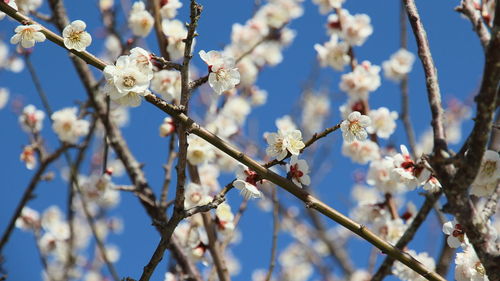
(407, 274)
(28, 219)
(379, 175)
(28, 157)
(407, 172)
(279, 144)
(456, 234)
(176, 32)
(167, 127)
(489, 171)
(361, 81)
(325, 6)
(361, 152)
(399, 65)
(356, 29)
(195, 195)
(223, 74)
(27, 6)
(67, 126)
(246, 181)
(199, 151)
(126, 82)
(224, 218)
(31, 119)
(75, 36)
(354, 127)
(140, 21)
(27, 35)
(333, 53)
(168, 84)
(383, 122)
(298, 171)
(468, 267)
(169, 8)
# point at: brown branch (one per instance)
(168, 172)
(405, 100)
(160, 37)
(431, 79)
(28, 193)
(276, 228)
(445, 257)
(467, 9)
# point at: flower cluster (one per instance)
(140, 21)
(129, 78)
(399, 65)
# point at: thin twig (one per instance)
(405, 99)
(28, 193)
(467, 9)
(276, 227)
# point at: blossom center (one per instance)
(295, 172)
(489, 168)
(252, 177)
(75, 36)
(128, 81)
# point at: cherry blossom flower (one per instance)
(167, 127)
(490, 168)
(105, 5)
(27, 6)
(383, 122)
(223, 75)
(141, 59)
(354, 127)
(483, 189)
(356, 29)
(361, 152)
(399, 65)
(27, 35)
(224, 218)
(67, 126)
(432, 184)
(407, 274)
(390, 229)
(168, 84)
(169, 8)
(75, 36)
(408, 172)
(298, 171)
(176, 32)
(361, 81)
(31, 119)
(169, 276)
(125, 82)
(195, 195)
(469, 267)
(379, 175)
(199, 151)
(285, 124)
(246, 181)
(279, 144)
(333, 53)
(315, 109)
(326, 6)
(140, 20)
(28, 219)
(28, 157)
(236, 108)
(456, 234)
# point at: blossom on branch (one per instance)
(456, 234)
(169, 8)
(140, 21)
(247, 181)
(31, 119)
(27, 35)
(354, 127)
(75, 36)
(28, 157)
(363, 80)
(67, 126)
(407, 274)
(383, 122)
(176, 32)
(399, 65)
(126, 82)
(298, 171)
(281, 143)
(333, 53)
(223, 75)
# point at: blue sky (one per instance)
(457, 54)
